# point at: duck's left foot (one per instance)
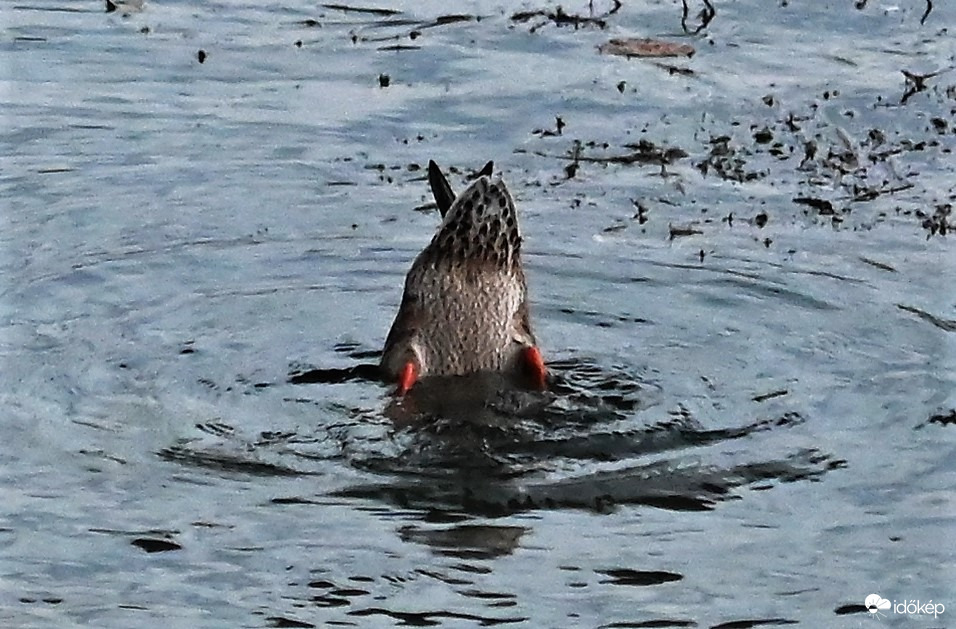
(407, 378)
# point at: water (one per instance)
(752, 345)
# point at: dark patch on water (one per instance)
(752, 623)
(433, 618)
(628, 576)
(852, 608)
(466, 541)
(283, 623)
(224, 461)
(365, 372)
(154, 545)
(648, 624)
(947, 325)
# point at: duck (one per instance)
(464, 309)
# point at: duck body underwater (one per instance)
(464, 309)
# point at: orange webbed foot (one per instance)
(406, 378)
(534, 363)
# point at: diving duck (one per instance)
(465, 309)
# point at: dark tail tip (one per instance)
(441, 189)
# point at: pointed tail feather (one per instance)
(441, 189)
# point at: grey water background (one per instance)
(754, 342)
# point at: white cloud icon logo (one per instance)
(874, 603)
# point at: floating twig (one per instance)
(706, 15)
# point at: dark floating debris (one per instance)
(938, 222)
(416, 29)
(399, 48)
(947, 419)
(367, 10)
(559, 18)
(763, 136)
(880, 265)
(559, 126)
(127, 7)
(645, 47)
(615, 228)
(706, 15)
(644, 152)
(844, 174)
(442, 20)
(672, 69)
(915, 83)
(727, 161)
(822, 206)
(384, 80)
(677, 232)
(201, 56)
(768, 396)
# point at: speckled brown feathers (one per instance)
(464, 308)
(480, 228)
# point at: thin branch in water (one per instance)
(929, 7)
(915, 83)
(706, 15)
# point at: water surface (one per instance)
(741, 272)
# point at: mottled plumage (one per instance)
(464, 309)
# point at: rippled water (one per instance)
(742, 275)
